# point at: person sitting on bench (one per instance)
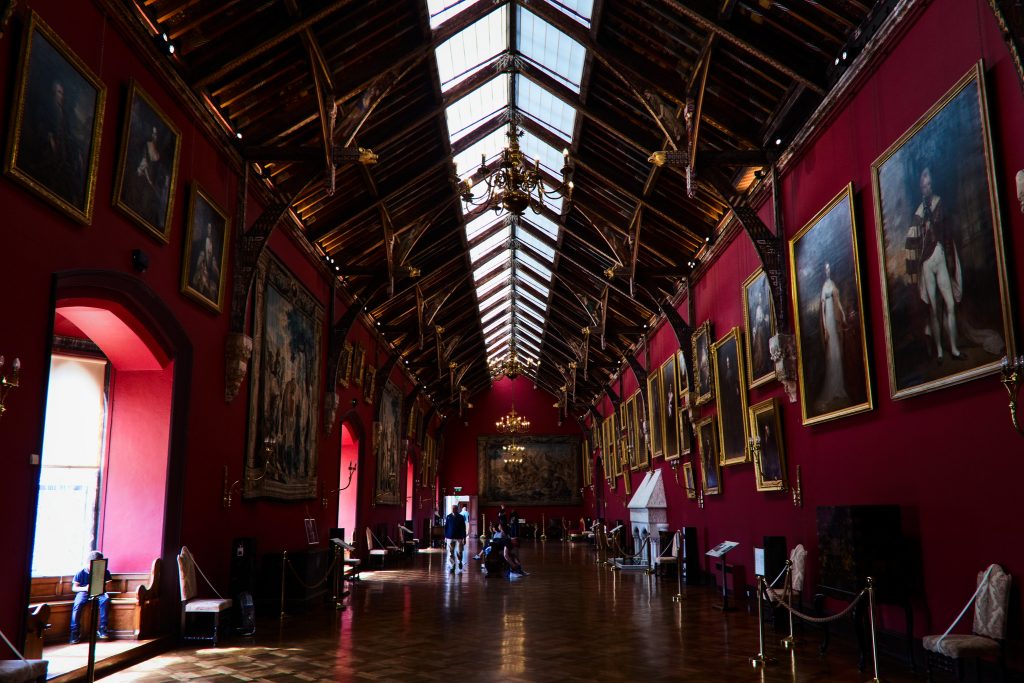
(80, 586)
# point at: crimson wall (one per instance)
(949, 458)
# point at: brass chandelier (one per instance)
(515, 184)
(512, 423)
(511, 365)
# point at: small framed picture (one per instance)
(358, 355)
(147, 168)
(688, 481)
(369, 383)
(53, 149)
(703, 377)
(345, 365)
(769, 453)
(312, 537)
(206, 241)
(707, 440)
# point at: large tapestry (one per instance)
(284, 397)
(386, 444)
(548, 474)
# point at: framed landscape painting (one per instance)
(770, 455)
(284, 397)
(703, 383)
(710, 472)
(945, 294)
(731, 399)
(203, 268)
(759, 320)
(54, 142)
(832, 354)
(147, 168)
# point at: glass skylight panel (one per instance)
(541, 269)
(541, 306)
(551, 159)
(580, 10)
(480, 224)
(477, 106)
(543, 225)
(483, 270)
(528, 238)
(525, 322)
(485, 289)
(472, 49)
(527, 346)
(541, 289)
(553, 51)
(525, 333)
(553, 113)
(442, 10)
(496, 296)
(490, 243)
(504, 319)
(496, 338)
(468, 160)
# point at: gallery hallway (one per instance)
(569, 620)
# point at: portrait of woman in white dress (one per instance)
(833, 325)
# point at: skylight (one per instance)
(513, 261)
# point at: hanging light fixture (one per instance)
(511, 365)
(515, 184)
(512, 423)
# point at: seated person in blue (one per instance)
(496, 534)
(80, 586)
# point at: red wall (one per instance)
(136, 469)
(459, 467)
(950, 458)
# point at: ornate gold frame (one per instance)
(733, 334)
(847, 194)
(12, 168)
(747, 326)
(974, 74)
(770, 405)
(702, 394)
(136, 91)
(369, 383)
(689, 483)
(345, 365)
(655, 418)
(676, 408)
(709, 459)
(186, 287)
(358, 356)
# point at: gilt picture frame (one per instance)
(655, 414)
(147, 166)
(369, 383)
(345, 365)
(770, 453)
(671, 407)
(703, 366)
(204, 264)
(549, 473)
(731, 399)
(831, 342)
(387, 445)
(284, 394)
(759, 322)
(53, 146)
(707, 446)
(945, 293)
(358, 358)
(689, 483)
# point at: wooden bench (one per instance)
(134, 607)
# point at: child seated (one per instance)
(80, 586)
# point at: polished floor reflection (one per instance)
(569, 620)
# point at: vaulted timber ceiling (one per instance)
(300, 85)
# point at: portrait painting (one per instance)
(689, 483)
(611, 459)
(345, 365)
(703, 382)
(670, 408)
(147, 169)
(549, 473)
(53, 146)
(369, 383)
(387, 446)
(759, 319)
(684, 379)
(832, 356)
(731, 399)
(946, 301)
(685, 432)
(655, 414)
(769, 454)
(284, 394)
(203, 268)
(638, 443)
(707, 444)
(358, 356)
(585, 451)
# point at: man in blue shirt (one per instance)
(80, 586)
(455, 538)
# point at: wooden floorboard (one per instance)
(569, 620)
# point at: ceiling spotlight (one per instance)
(837, 61)
(778, 141)
(166, 37)
(170, 48)
(844, 55)
(238, 135)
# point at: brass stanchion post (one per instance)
(789, 641)
(284, 565)
(483, 528)
(678, 597)
(871, 616)
(760, 660)
(543, 527)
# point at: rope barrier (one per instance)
(200, 570)
(626, 555)
(820, 620)
(318, 583)
(13, 649)
(981, 584)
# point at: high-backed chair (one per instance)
(798, 565)
(191, 604)
(986, 640)
(372, 548)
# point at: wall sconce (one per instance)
(326, 497)
(8, 382)
(268, 448)
(754, 445)
(1011, 373)
(798, 490)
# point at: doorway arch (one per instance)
(352, 447)
(128, 301)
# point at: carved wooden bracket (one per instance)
(684, 336)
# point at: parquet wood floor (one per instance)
(569, 620)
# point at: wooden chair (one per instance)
(190, 604)
(667, 561)
(987, 637)
(798, 564)
(373, 550)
